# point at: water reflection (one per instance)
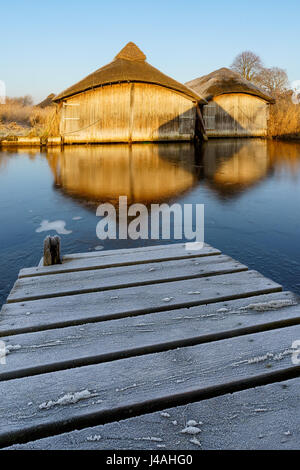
(142, 172)
(10, 154)
(231, 166)
(159, 172)
(285, 156)
(250, 188)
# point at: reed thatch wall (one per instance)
(236, 115)
(127, 112)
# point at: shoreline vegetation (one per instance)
(20, 119)
(284, 120)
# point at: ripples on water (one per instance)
(250, 188)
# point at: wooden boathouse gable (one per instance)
(128, 100)
(236, 107)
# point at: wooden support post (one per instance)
(201, 122)
(52, 251)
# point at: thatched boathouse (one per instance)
(236, 107)
(128, 100)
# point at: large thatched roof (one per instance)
(224, 81)
(128, 66)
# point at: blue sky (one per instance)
(47, 46)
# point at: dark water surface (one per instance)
(250, 188)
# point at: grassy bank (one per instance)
(19, 119)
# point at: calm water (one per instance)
(250, 188)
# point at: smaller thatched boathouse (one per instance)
(128, 100)
(236, 107)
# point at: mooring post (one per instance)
(52, 251)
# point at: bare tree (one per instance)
(27, 100)
(247, 64)
(21, 100)
(274, 80)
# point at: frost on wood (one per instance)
(268, 356)
(126, 388)
(12, 347)
(67, 399)
(195, 441)
(191, 422)
(154, 439)
(190, 430)
(271, 305)
(45, 345)
(94, 438)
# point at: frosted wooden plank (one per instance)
(141, 249)
(56, 402)
(84, 308)
(38, 287)
(265, 417)
(62, 348)
(79, 264)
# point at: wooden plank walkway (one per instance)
(101, 347)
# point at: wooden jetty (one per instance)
(149, 348)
